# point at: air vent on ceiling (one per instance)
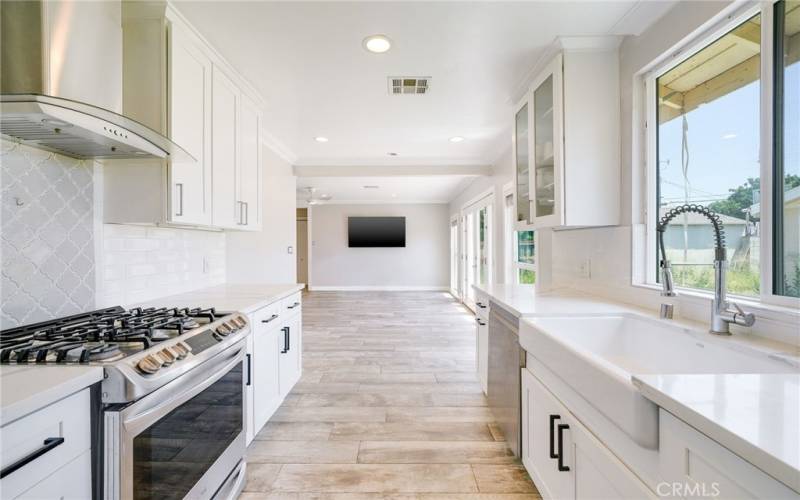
(400, 85)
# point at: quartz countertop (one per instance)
(244, 298)
(25, 389)
(524, 300)
(757, 416)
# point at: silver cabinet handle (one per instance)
(179, 188)
(241, 213)
(246, 213)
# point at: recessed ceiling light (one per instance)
(321, 139)
(377, 43)
(729, 136)
(371, 187)
(392, 154)
(457, 138)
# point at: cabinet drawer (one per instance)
(292, 304)
(692, 464)
(482, 306)
(72, 481)
(268, 316)
(68, 419)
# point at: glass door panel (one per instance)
(522, 159)
(544, 153)
(483, 246)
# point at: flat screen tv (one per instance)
(376, 232)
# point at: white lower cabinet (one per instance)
(482, 339)
(47, 454)
(694, 466)
(290, 362)
(563, 457)
(274, 360)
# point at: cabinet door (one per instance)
(291, 355)
(225, 97)
(72, 481)
(249, 178)
(546, 172)
(482, 332)
(544, 441)
(266, 375)
(249, 393)
(522, 163)
(190, 127)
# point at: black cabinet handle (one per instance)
(248, 369)
(561, 466)
(285, 331)
(293, 305)
(274, 316)
(553, 419)
(482, 323)
(482, 306)
(49, 444)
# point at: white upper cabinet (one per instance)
(225, 99)
(177, 84)
(249, 176)
(190, 126)
(572, 161)
(522, 144)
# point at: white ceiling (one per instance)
(398, 189)
(307, 61)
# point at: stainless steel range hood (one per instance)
(81, 130)
(55, 59)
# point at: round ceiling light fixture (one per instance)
(456, 138)
(377, 44)
(392, 154)
(321, 139)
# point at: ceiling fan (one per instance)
(311, 199)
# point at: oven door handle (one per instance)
(140, 415)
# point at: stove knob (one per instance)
(239, 322)
(148, 365)
(223, 330)
(166, 356)
(180, 351)
(185, 347)
(231, 326)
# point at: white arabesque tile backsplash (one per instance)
(142, 263)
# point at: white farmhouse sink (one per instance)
(597, 355)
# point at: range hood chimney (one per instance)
(50, 68)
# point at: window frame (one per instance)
(511, 227)
(645, 147)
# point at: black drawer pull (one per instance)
(248, 369)
(561, 466)
(293, 305)
(553, 419)
(49, 444)
(273, 317)
(482, 323)
(285, 331)
(482, 306)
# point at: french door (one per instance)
(477, 248)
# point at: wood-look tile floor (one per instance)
(389, 407)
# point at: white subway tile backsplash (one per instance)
(144, 263)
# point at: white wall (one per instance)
(263, 257)
(422, 264)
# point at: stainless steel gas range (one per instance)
(168, 418)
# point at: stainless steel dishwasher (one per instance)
(506, 357)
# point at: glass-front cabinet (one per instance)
(522, 163)
(545, 184)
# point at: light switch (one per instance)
(290, 249)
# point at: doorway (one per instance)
(477, 254)
(302, 246)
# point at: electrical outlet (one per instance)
(585, 269)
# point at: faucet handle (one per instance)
(742, 318)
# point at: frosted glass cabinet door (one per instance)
(521, 162)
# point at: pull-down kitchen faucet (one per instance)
(721, 313)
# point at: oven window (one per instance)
(172, 455)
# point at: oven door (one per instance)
(185, 440)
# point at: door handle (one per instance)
(271, 318)
(249, 379)
(179, 188)
(285, 331)
(293, 305)
(561, 429)
(48, 445)
(553, 419)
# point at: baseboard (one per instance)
(315, 288)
